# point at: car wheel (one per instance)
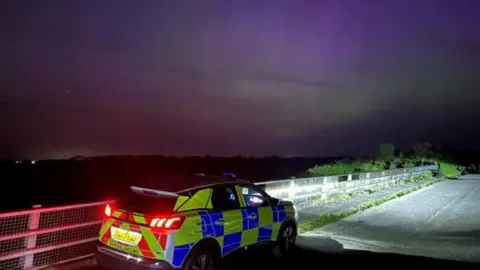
(285, 241)
(200, 259)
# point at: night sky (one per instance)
(257, 78)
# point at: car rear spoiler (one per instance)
(153, 192)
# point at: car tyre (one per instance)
(201, 259)
(285, 241)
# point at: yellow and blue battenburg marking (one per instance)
(237, 229)
(232, 229)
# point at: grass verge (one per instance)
(327, 218)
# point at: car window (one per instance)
(225, 198)
(253, 197)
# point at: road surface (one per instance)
(440, 221)
(306, 258)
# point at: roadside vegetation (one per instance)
(388, 157)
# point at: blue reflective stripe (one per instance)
(244, 219)
(207, 228)
(232, 238)
(217, 227)
(179, 254)
(264, 233)
(231, 242)
(209, 225)
(252, 223)
(281, 214)
(275, 214)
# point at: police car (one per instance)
(192, 228)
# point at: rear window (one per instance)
(146, 204)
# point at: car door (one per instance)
(257, 215)
(227, 219)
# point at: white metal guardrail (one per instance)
(300, 189)
(43, 237)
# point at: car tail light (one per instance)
(171, 223)
(108, 210)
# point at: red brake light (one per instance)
(108, 210)
(171, 223)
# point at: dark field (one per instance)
(84, 180)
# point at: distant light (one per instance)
(230, 174)
(33, 161)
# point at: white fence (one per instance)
(44, 237)
(299, 190)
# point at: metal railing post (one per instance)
(32, 239)
(59, 229)
(292, 190)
